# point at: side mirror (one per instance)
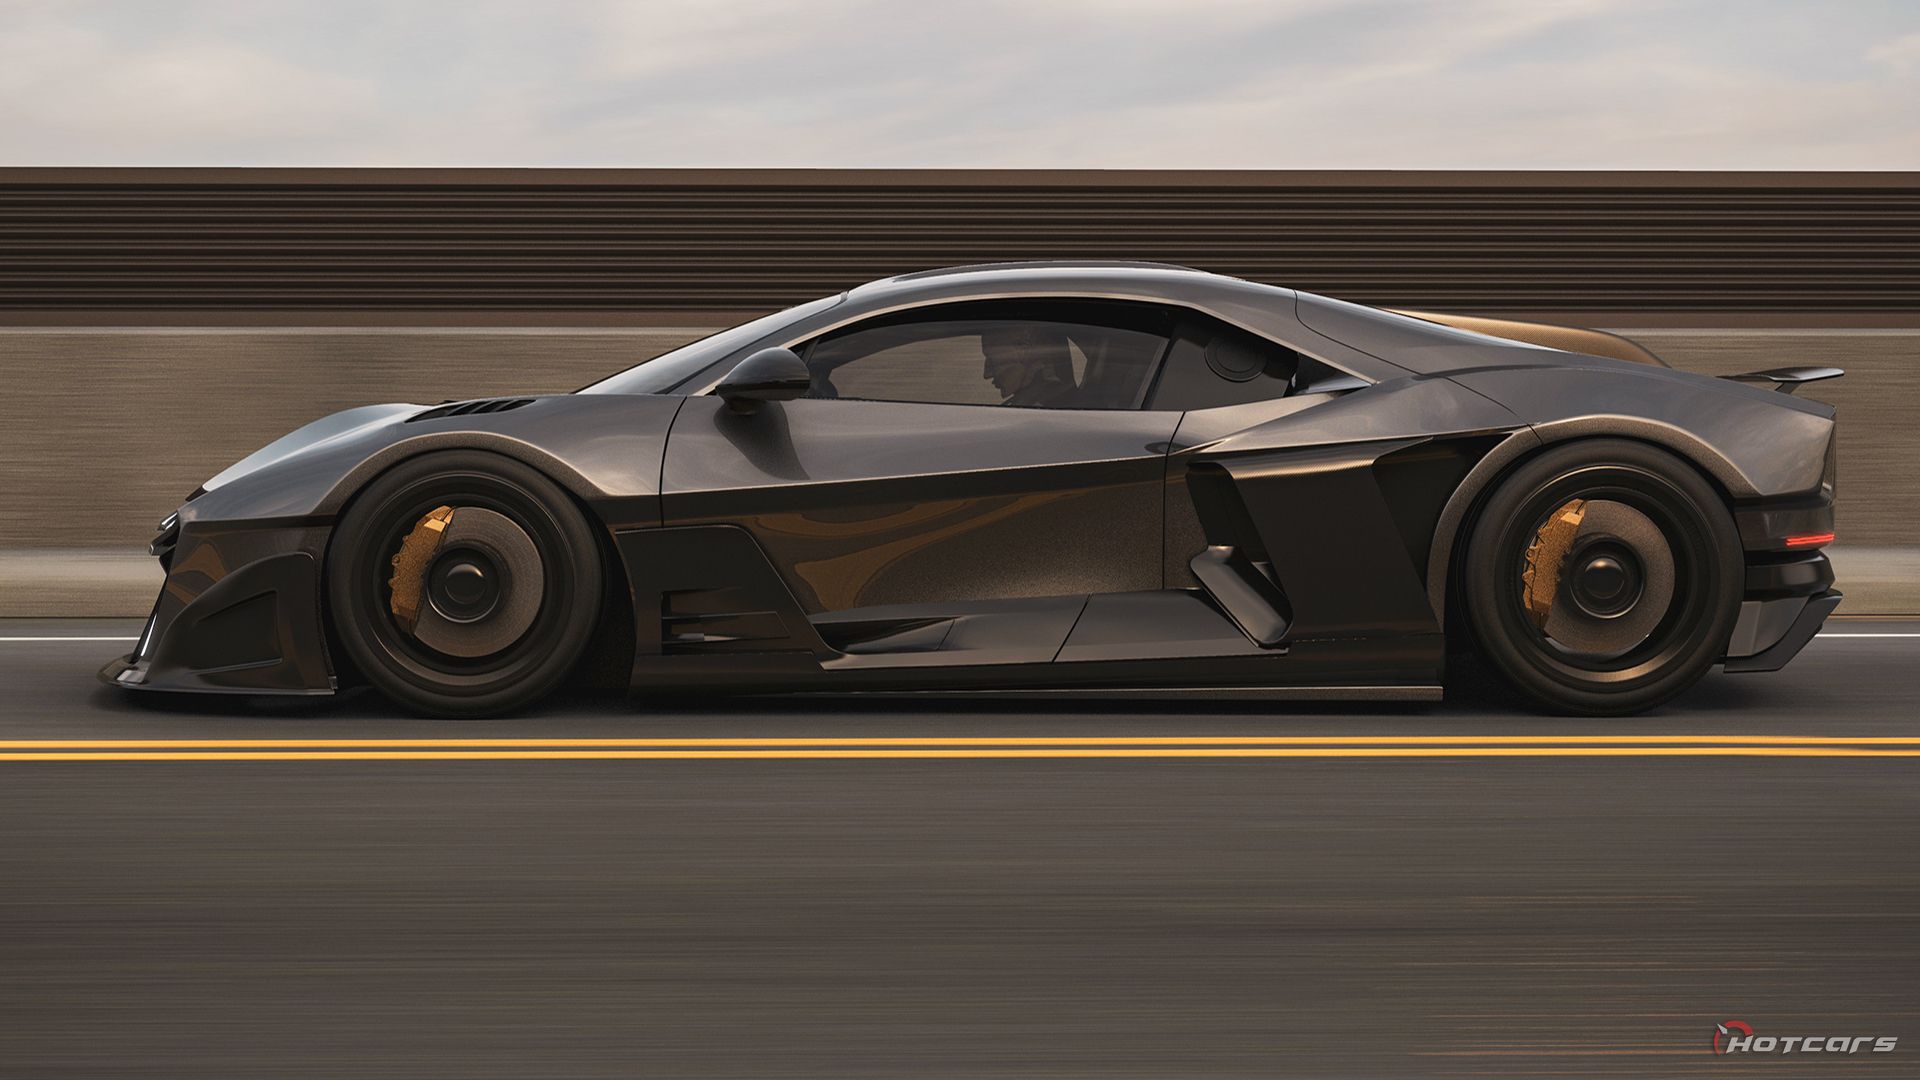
(769, 375)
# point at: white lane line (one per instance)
(135, 638)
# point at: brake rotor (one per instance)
(1599, 577)
(466, 582)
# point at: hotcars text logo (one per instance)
(1737, 1037)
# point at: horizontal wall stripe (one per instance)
(78, 240)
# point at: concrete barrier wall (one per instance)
(104, 431)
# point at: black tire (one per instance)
(417, 676)
(1702, 568)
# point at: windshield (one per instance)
(667, 372)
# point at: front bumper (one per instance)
(239, 614)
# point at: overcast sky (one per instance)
(1733, 84)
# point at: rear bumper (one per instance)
(1789, 582)
(1806, 621)
(1786, 598)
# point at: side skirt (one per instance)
(1156, 693)
(711, 616)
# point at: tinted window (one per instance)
(1213, 364)
(1034, 354)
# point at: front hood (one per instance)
(598, 446)
(339, 427)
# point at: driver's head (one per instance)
(1024, 358)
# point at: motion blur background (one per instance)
(157, 324)
(221, 219)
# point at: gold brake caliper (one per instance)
(409, 581)
(1540, 580)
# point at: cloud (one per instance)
(1902, 52)
(70, 91)
(992, 83)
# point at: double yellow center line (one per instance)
(1155, 746)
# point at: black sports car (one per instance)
(1029, 478)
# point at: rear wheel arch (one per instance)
(1462, 510)
(1604, 647)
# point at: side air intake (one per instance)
(469, 408)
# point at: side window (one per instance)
(1024, 353)
(1212, 364)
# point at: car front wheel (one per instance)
(463, 583)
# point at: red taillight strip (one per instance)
(1810, 540)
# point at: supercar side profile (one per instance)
(1029, 478)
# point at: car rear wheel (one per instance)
(463, 583)
(1603, 577)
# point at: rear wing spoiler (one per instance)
(1788, 379)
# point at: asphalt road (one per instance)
(1542, 901)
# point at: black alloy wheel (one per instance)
(1603, 577)
(463, 583)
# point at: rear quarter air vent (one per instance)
(471, 408)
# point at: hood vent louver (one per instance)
(469, 408)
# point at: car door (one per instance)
(962, 477)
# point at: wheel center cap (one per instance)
(1606, 582)
(464, 586)
(466, 583)
(1604, 578)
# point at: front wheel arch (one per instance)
(567, 535)
(395, 455)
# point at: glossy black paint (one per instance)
(597, 447)
(1813, 613)
(1796, 574)
(861, 503)
(240, 614)
(1238, 540)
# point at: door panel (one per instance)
(862, 503)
